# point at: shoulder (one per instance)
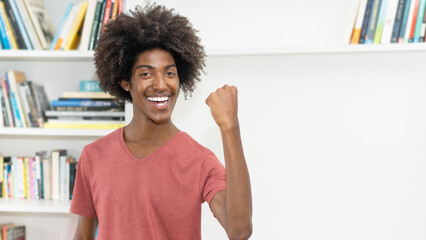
(190, 145)
(105, 143)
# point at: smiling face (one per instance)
(153, 86)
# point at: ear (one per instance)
(125, 85)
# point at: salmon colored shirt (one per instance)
(157, 197)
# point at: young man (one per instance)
(149, 179)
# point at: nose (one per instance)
(160, 83)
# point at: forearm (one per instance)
(238, 191)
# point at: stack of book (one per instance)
(38, 177)
(83, 22)
(25, 24)
(11, 231)
(387, 21)
(86, 109)
(23, 103)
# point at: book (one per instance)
(358, 22)
(369, 37)
(13, 232)
(41, 101)
(404, 22)
(87, 25)
(61, 26)
(3, 114)
(86, 103)
(413, 20)
(423, 30)
(381, 21)
(13, 78)
(409, 21)
(114, 11)
(87, 95)
(365, 21)
(56, 156)
(82, 125)
(398, 20)
(419, 21)
(9, 33)
(21, 28)
(14, 24)
(46, 162)
(89, 86)
(3, 34)
(41, 21)
(107, 13)
(100, 23)
(67, 27)
(8, 104)
(28, 100)
(95, 25)
(73, 37)
(26, 20)
(85, 113)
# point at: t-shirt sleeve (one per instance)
(82, 200)
(213, 177)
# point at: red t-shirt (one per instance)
(157, 197)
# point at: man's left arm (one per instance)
(232, 207)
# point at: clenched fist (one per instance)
(223, 105)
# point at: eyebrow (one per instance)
(151, 67)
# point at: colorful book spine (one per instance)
(409, 21)
(398, 20)
(73, 37)
(404, 22)
(369, 38)
(365, 21)
(61, 26)
(87, 25)
(95, 25)
(358, 24)
(21, 27)
(381, 21)
(100, 25)
(423, 30)
(9, 32)
(67, 27)
(3, 32)
(5, 88)
(107, 13)
(419, 21)
(413, 20)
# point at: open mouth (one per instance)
(159, 101)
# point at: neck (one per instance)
(146, 130)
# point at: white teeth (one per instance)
(157, 99)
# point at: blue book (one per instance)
(14, 105)
(21, 25)
(61, 26)
(398, 21)
(3, 35)
(419, 21)
(366, 21)
(89, 86)
(374, 17)
(81, 103)
(404, 22)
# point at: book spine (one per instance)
(3, 33)
(25, 104)
(95, 25)
(358, 25)
(32, 177)
(369, 38)
(67, 27)
(55, 175)
(100, 25)
(398, 20)
(114, 11)
(21, 27)
(413, 20)
(14, 24)
(423, 30)
(404, 22)
(47, 179)
(419, 21)
(365, 22)
(87, 25)
(61, 26)
(89, 86)
(10, 37)
(13, 101)
(72, 36)
(37, 178)
(5, 117)
(107, 13)
(8, 104)
(381, 21)
(32, 35)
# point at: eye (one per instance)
(144, 74)
(170, 73)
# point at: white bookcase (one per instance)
(302, 59)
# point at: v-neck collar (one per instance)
(151, 155)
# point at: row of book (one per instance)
(88, 18)
(38, 177)
(388, 21)
(25, 24)
(12, 231)
(86, 110)
(23, 103)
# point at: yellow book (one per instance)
(83, 125)
(10, 37)
(97, 95)
(27, 178)
(73, 37)
(1, 168)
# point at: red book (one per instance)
(107, 14)
(413, 25)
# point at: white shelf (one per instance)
(34, 206)
(54, 132)
(88, 55)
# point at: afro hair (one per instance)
(146, 28)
